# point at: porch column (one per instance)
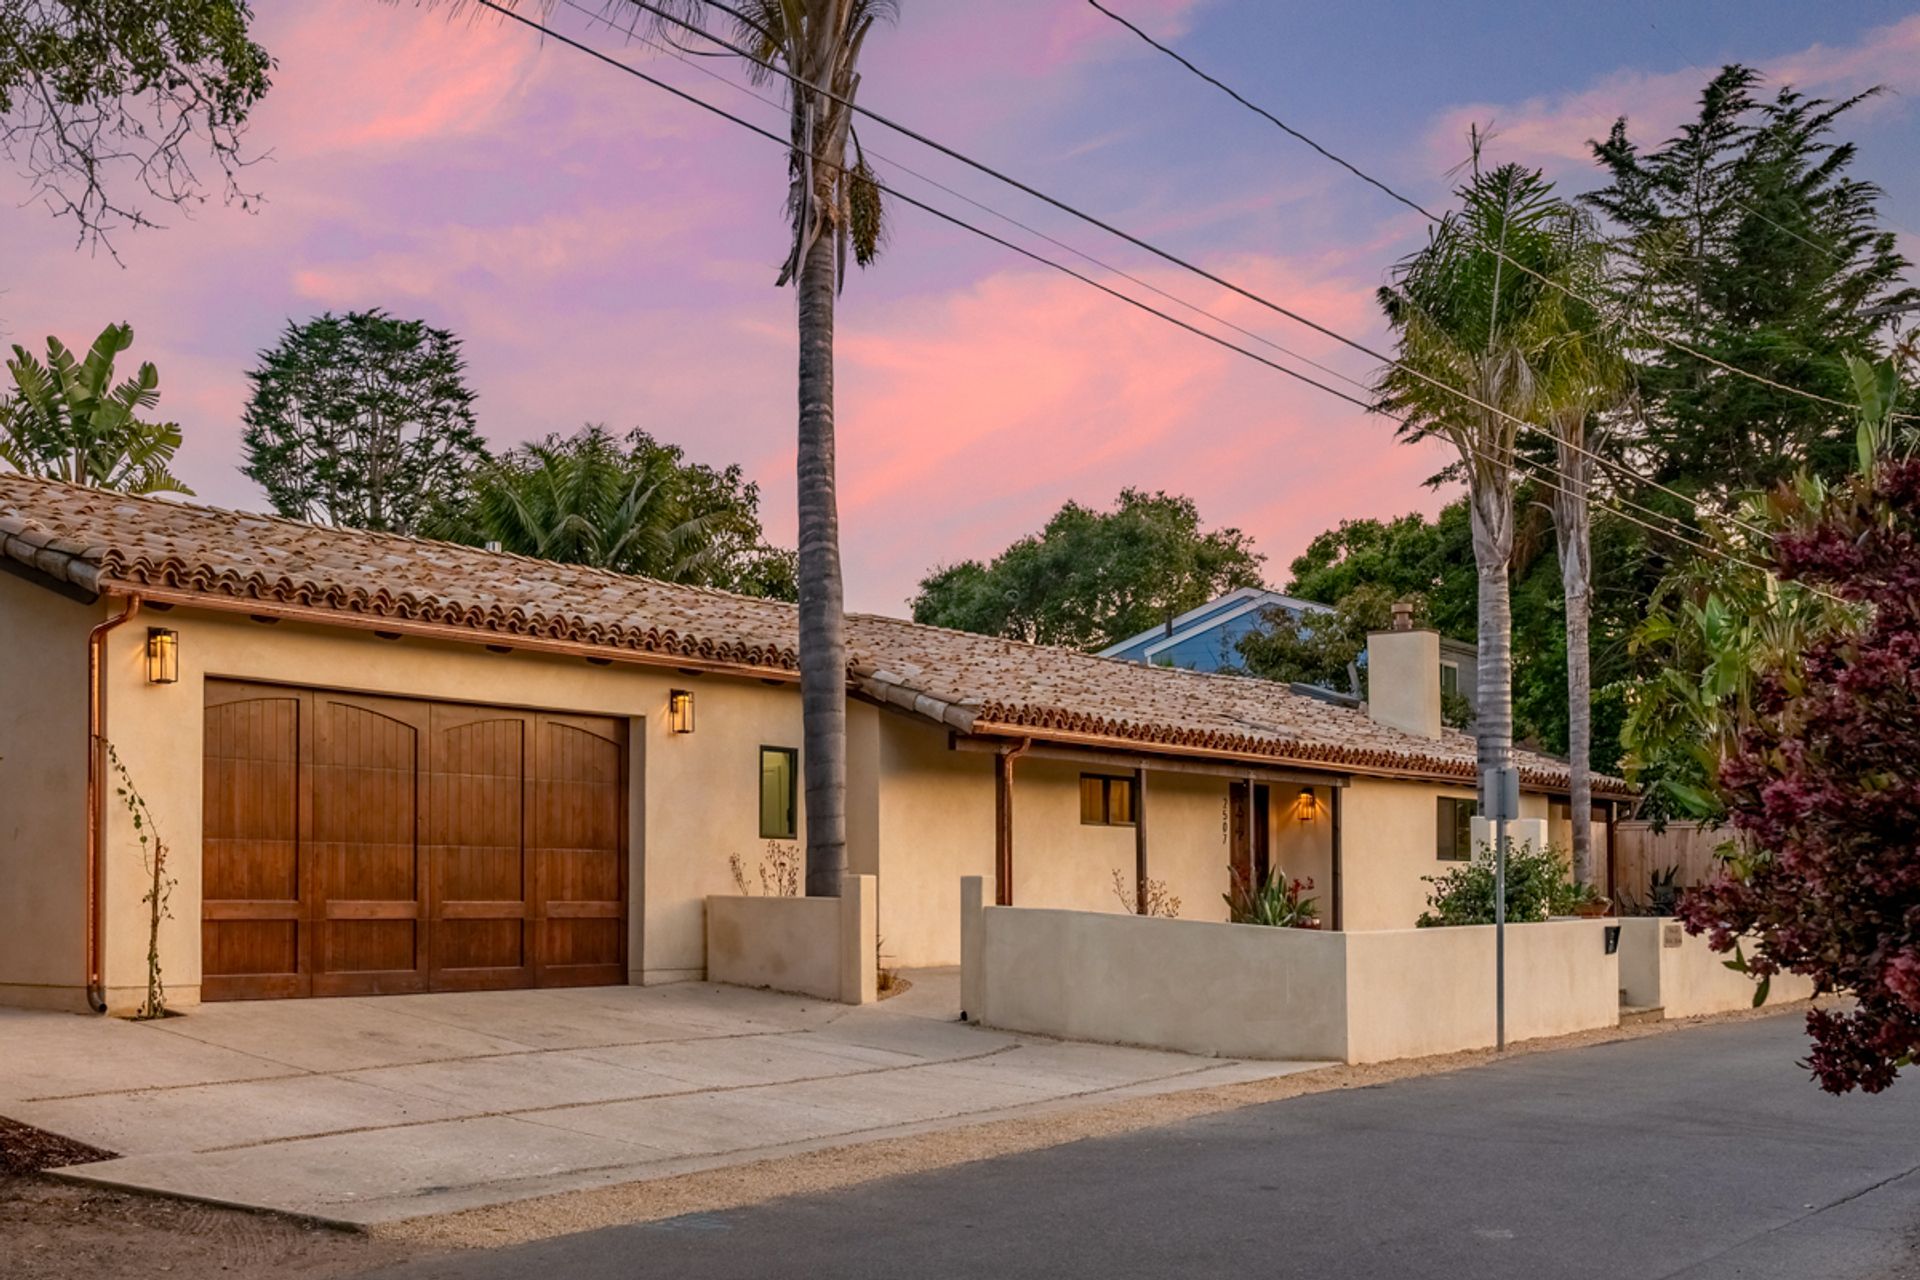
(1253, 867)
(1338, 889)
(1140, 840)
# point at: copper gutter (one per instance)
(96, 750)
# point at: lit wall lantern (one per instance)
(1307, 807)
(679, 711)
(163, 655)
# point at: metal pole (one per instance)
(1500, 932)
(1503, 797)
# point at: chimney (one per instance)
(1403, 675)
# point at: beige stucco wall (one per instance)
(1301, 845)
(694, 799)
(937, 824)
(1423, 991)
(820, 947)
(43, 766)
(1387, 844)
(1237, 990)
(1664, 966)
(1249, 991)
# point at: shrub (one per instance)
(1823, 785)
(1279, 902)
(1538, 885)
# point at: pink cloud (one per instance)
(415, 74)
(966, 420)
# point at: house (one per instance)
(380, 764)
(1208, 639)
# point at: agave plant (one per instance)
(69, 420)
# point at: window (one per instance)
(778, 769)
(1106, 802)
(1449, 677)
(1455, 843)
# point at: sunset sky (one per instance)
(608, 253)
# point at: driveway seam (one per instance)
(520, 1112)
(294, 1072)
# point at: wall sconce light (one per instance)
(163, 655)
(1307, 807)
(679, 711)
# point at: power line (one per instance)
(1354, 169)
(786, 143)
(676, 52)
(1530, 471)
(1157, 251)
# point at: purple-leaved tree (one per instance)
(1825, 789)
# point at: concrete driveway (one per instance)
(374, 1110)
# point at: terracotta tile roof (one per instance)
(109, 542)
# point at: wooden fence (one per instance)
(1639, 851)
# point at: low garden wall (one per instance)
(822, 947)
(1663, 966)
(1256, 992)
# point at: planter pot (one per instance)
(1592, 910)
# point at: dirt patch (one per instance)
(25, 1149)
(57, 1231)
(838, 1167)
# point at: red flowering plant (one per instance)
(1823, 786)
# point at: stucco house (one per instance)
(382, 764)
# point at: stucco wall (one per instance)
(1388, 830)
(1238, 990)
(1664, 966)
(937, 825)
(43, 766)
(1250, 991)
(1301, 845)
(820, 947)
(694, 798)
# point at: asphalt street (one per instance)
(1705, 1153)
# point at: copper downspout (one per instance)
(96, 744)
(1003, 823)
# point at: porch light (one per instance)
(163, 655)
(1307, 807)
(679, 711)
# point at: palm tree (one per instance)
(583, 500)
(68, 419)
(833, 205)
(1465, 319)
(1583, 375)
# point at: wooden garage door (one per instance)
(361, 846)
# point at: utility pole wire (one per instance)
(1157, 251)
(1678, 530)
(1702, 548)
(1657, 336)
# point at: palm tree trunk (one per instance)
(823, 641)
(1491, 507)
(1572, 527)
(1580, 731)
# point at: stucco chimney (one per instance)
(1403, 676)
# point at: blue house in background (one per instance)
(1208, 638)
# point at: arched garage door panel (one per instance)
(359, 845)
